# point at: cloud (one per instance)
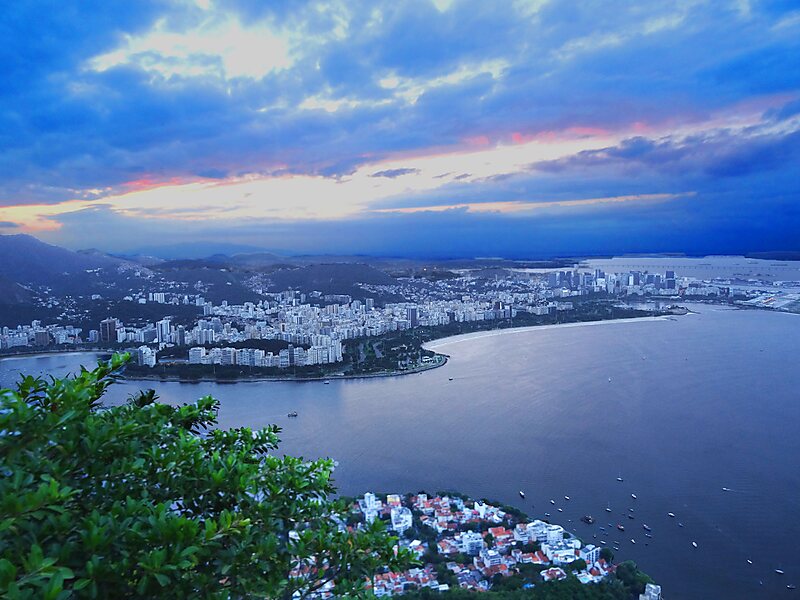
(313, 110)
(392, 173)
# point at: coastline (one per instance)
(432, 345)
(331, 377)
(455, 339)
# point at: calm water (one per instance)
(695, 404)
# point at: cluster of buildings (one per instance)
(37, 335)
(316, 324)
(481, 542)
(326, 351)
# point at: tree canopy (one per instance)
(151, 500)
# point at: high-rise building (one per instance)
(108, 330)
(41, 338)
(412, 315)
(162, 331)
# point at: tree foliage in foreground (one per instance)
(151, 500)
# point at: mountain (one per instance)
(25, 258)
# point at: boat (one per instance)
(633, 541)
(749, 562)
(646, 527)
(292, 414)
(648, 535)
(609, 380)
(633, 496)
(560, 510)
(630, 510)
(546, 514)
(791, 587)
(671, 515)
(449, 379)
(552, 501)
(326, 382)
(631, 517)
(566, 497)
(727, 489)
(619, 479)
(521, 494)
(779, 571)
(694, 544)
(620, 527)
(588, 519)
(680, 524)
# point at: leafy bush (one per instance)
(151, 500)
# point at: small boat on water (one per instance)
(727, 489)
(680, 524)
(749, 562)
(694, 544)
(646, 527)
(292, 414)
(791, 587)
(588, 519)
(566, 497)
(633, 496)
(779, 571)
(671, 515)
(648, 535)
(620, 527)
(449, 379)
(560, 510)
(619, 479)
(521, 494)
(631, 517)
(552, 501)
(633, 541)
(326, 382)
(547, 515)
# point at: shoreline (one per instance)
(463, 337)
(292, 379)
(432, 345)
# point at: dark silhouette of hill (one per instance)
(26, 260)
(330, 278)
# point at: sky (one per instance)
(438, 128)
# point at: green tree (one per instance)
(151, 500)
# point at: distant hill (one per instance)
(338, 278)
(25, 259)
(196, 250)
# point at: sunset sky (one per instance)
(420, 128)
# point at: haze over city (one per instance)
(428, 128)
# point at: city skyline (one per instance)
(444, 128)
